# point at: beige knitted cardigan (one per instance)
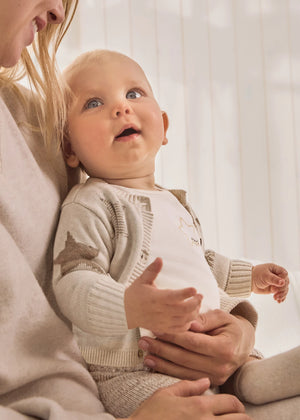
(102, 245)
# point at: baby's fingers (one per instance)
(174, 296)
(190, 306)
(186, 313)
(279, 271)
(282, 288)
(280, 296)
(275, 280)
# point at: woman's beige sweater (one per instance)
(41, 371)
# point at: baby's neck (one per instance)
(146, 183)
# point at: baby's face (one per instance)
(115, 124)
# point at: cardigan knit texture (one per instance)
(102, 246)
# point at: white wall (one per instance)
(228, 74)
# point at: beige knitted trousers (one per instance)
(121, 391)
(270, 388)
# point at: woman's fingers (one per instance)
(211, 320)
(224, 403)
(172, 369)
(189, 388)
(194, 342)
(234, 416)
(176, 354)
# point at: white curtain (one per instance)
(228, 74)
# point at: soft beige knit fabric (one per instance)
(102, 244)
(41, 372)
(268, 380)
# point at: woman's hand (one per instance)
(183, 401)
(160, 311)
(218, 344)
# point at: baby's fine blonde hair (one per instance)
(45, 81)
(85, 59)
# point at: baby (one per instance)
(118, 221)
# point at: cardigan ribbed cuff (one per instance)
(233, 276)
(106, 311)
(239, 278)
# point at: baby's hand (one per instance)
(270, 278)
(161, 311)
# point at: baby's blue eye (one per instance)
(93, 103)
(133, 94)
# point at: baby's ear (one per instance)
(69, 156)
(166, 126)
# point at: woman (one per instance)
(42, 374)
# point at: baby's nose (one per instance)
(121, 109)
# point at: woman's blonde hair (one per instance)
(44, 77)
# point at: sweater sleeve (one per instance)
(234, 280)
(86, 294)
(238, 306)
(42, 372)
(233, 276)
(45, 409)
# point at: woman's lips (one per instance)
(40, 23)
(37, 24)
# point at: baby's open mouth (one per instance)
(127, 132)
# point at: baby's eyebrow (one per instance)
(137, 83)
(88, 93)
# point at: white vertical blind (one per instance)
(228, 74)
